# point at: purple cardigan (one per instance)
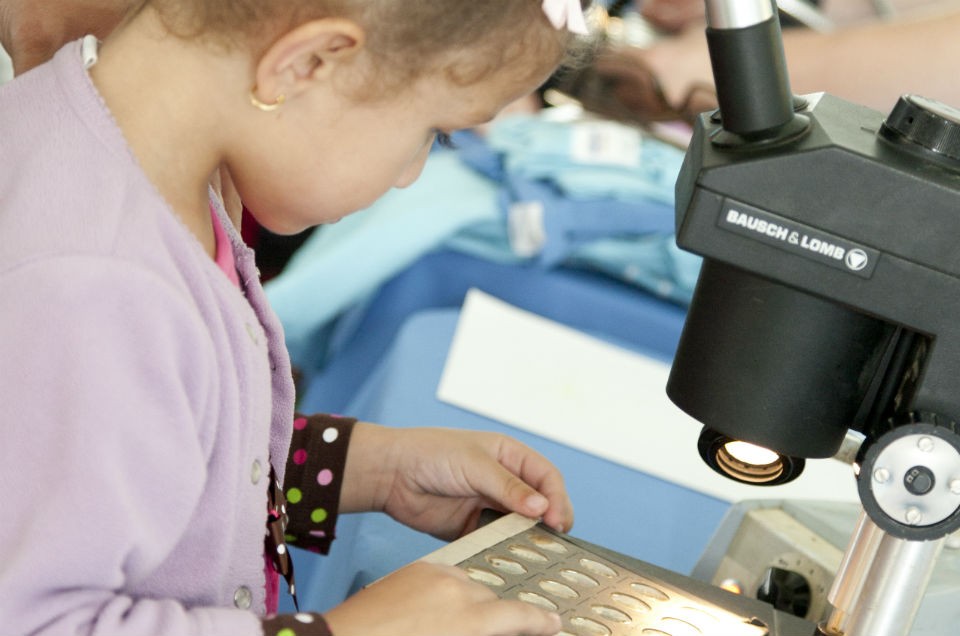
(143, 396)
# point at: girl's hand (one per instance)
(439, 480)
(435, 600)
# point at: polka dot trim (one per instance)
(313, 479)
(301, 624)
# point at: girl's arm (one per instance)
(435, 480)
(873, 64)
(432, 479)
(422, 599)
(439, 480)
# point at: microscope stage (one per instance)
(601, 593)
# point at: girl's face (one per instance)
(327, 156)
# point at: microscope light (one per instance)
(746, 462)
(750, 453)
(731, 585)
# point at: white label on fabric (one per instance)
(605, 143)
(525, 228)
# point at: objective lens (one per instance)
(745, 462)
(746, 471)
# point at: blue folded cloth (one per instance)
(588, 159)
(567, 224)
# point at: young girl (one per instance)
(151, 465)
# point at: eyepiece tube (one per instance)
(749, 67)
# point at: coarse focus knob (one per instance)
(926, 122)
(786, 590)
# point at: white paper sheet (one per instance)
(546, 378)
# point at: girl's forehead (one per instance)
(480, 102)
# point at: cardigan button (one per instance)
(256, 472)
(243, 597)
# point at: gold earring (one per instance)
(263, 105)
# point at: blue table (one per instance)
(388, 371)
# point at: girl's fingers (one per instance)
(514, 618)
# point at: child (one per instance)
(147, 401)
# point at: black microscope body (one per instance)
(829, 298)
(827, 313)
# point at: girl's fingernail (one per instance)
(536, 502)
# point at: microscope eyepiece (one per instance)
(750, 75)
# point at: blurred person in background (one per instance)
(31, 31)
(868, 59)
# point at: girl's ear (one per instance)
(308, 53)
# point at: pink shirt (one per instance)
(224, 258)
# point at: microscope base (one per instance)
(809, 537)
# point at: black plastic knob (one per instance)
(930, 124)
(786, 590)
(919, 480)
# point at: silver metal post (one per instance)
(880, 583)
(892, 593)
(852, 573)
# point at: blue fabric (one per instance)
(652, 262)
(595, 304)
(570, 224)
(536, 148)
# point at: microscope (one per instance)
(828, 306)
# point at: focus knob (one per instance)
(786, 590)
(930, 124)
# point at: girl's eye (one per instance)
(444, 141)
